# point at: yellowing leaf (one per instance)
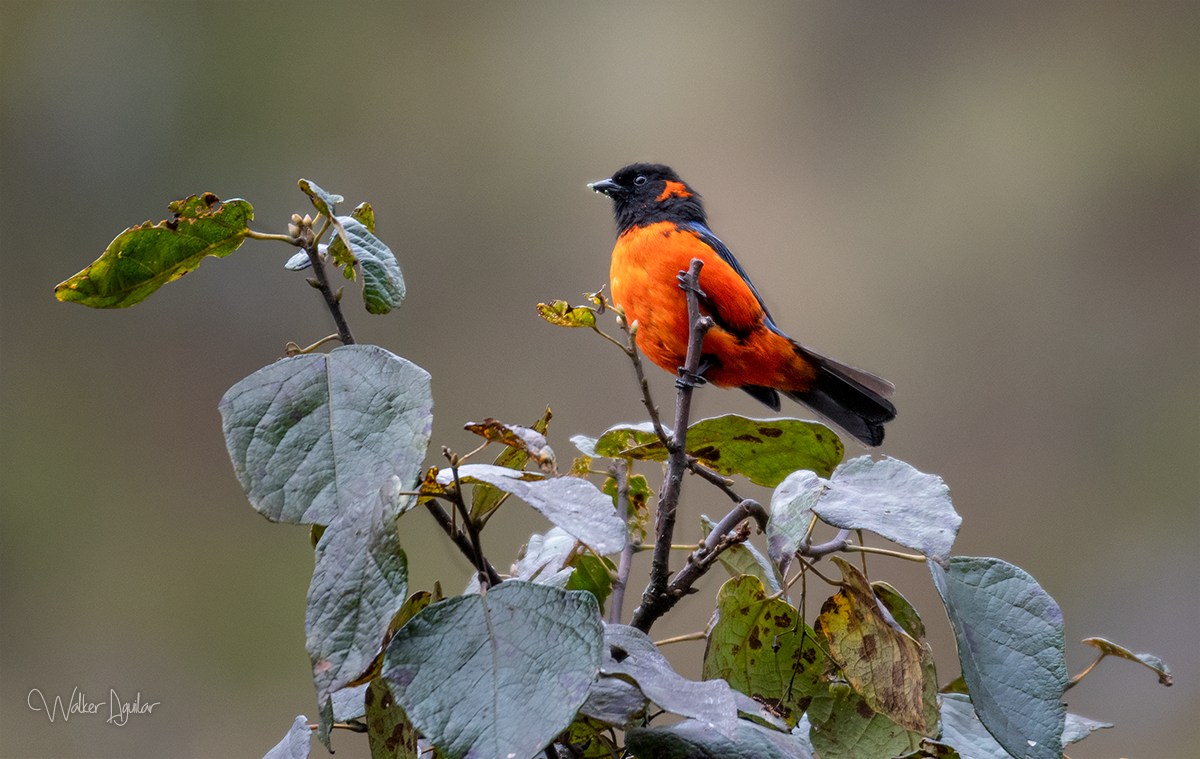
(880, 662)
(560, 314)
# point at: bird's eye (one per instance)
(641, 180)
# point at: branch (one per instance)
(461, 540)
(309, 243)
(724, 485)
(656, 600)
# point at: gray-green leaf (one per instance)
(295, 744)
(892, 499)
(498, 674)
(1010, 644)
(693, 739)
(572, 503)
(311, 435)
(360, 582)
(383, 284)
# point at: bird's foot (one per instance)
(682, 279)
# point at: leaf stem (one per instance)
(273, 237)
(885, 552)
(1075, 680)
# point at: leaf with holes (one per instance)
(142, 259)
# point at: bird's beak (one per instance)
(604, 187)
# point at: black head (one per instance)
(647, 193)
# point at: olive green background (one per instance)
(994, 205)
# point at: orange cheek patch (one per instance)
(673, 190)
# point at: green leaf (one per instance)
(324, 202)
(1147, 660)
(309, 436)
(295, 744)
(744, 559)
(593, 574)
(792, 515)
(560, 314)
(901, 610)
(617, 441)
(590, 738)
(389, 733)
(693, 739)
(383, 284)
(142, 259)
(638, 513)
(892, 499)
(881, 662)
(359, 584)
(844, 726)
(761, 649)
(574, 504)
(496, 674)
(1010, 644)
(765, 451)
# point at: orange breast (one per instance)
(645, 265)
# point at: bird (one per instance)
(661, 227)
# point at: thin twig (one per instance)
(617, 598)
(1075, 680)
(682, 638)
(635, 356)
(885, 552)
(724, 485)
(468, 524)
(461, 540)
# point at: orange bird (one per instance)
(661, 227)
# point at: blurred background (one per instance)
(996, 206)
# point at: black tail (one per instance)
(851, 399)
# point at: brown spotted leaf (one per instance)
(1147, 660)
(881, 662)
(758, 648)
